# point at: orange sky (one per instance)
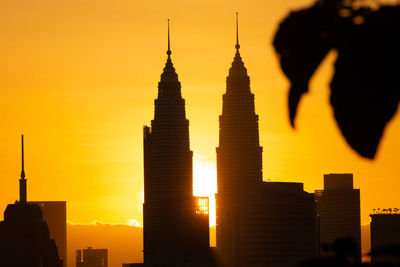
(79, 78)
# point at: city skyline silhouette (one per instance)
(84, 117)
(86, 129)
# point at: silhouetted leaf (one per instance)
(302, 41)
(365, 90)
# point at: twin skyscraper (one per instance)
(175, 225)
(258, 223)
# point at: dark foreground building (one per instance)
(175, 223)
(385, 238)
(258, 223)
(92, 257)
(338, 207)
(55, 215)
(24, 235)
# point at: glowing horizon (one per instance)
(79, 80)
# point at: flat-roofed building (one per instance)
(91, 257)
(385, 234)
(338, 207)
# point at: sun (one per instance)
(205, 183)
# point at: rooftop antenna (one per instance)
(22, 181)
(22, 153)
(237, 46)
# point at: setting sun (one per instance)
(205, 184)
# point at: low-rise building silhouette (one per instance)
(385, 237)
(91, 257)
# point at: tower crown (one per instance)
(238, 68)
(237, 72)
(169, 84)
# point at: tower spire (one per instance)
(237, 46)
(169, 46)
(22, 157)
(169, 74)
(238, 68)
(22, 181)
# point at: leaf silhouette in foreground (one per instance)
(365, 89)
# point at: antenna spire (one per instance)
(22, 181)
(237, 46)
(22, 157)
(169, 46)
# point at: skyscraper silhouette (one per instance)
(55, 215)
(175, 224)
(239, 155)
(258, 223)
(339, 209)
(24, 235)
